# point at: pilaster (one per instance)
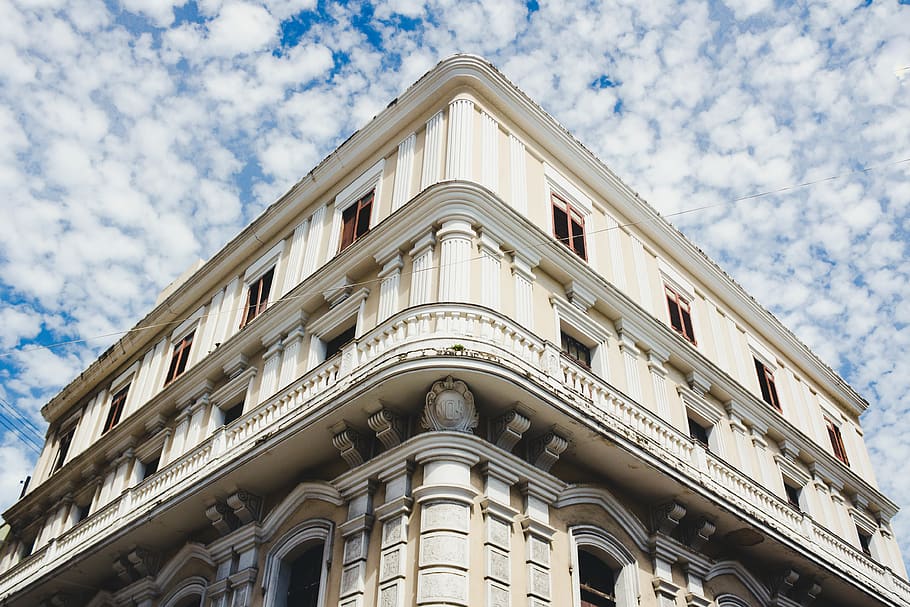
(455, 240)
(422, 269)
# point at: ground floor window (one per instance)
(596, 581)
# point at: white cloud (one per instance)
(241, 28)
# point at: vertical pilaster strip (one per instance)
(404, 171)
(630, 357)
(432, 152)
(460, 140)
(270, 369)
(422, 269)
(489, 159)
(394, 515)
(741, 440)
(518, 175)
(538, 539)
(524, 291)
(490, 270)
(313, 243)
(356, 536)
(390, 277)
(230, 312)
(290, 359)
(656, 362)
(445, 500)
(295, 257)
(763, 475)
(641, 270)
(455, 240)
(614, 235)
(498, 516)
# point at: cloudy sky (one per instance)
(140, 135)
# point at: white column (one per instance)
(422, 269)
(741, 440)
(524, 290)
(630, 358)
(295, 257)
(656, 360)
(290, 359)
(455, 243)
(490, 271)
(461, 139)
(390, 277)
(404, 172)
(518, 175)
(614, 236)
(489, 159)
(270, 368)
(432, 152)
(770, 479)
(641, 270)
(314, 243)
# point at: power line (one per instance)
(24, 439)
(547, 242)
(26, 423)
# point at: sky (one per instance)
(139, 136)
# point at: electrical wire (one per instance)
(28, 442)
(26, 423)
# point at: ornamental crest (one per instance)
(450, 406)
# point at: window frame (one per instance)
(351, 217)
(116, 408)
(836, 438)
(766, 384)
(251, 311)
(596, 541)
(63, 451)
(683, 307)
(567, 342)
(706, 430)
(291, 545)
(178, 366)
(369, 181)
(571, 212)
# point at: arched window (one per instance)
(604, 572)
(297, 566)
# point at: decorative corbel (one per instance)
(783, 583)
(246, 506)
(697, 533)
(666, 517)
(144, 562)
(509, 428)
(546, 449)
(807, 591)
(388, 426)
(350, 444)
(222, 517)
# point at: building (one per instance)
(459, 363)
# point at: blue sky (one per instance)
(141, 135)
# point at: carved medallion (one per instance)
(450, 406)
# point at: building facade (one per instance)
(459, 363)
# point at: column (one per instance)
(489, 159)
(195, 431)
(640, 259)
(296, 256)
(770, 479)
(390, 277)
(614, 234)
(845, 522)
(460, 140)
(538, 536)
(394, 517)
(490, 270)
(290, 359)
(355, 533)
(741, 440)
(404, 172)
(524, 297)
(656, 360)
(271, 366)
(445, 500)
(518, 175)
(455, 240)
(313, 243)
(630, 354)
(422, 269)
(498, 515)
(432, 152)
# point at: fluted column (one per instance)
(656, 360)
(614, 234)
(770, 479)
(524, 290)
(422, 270)
(313, 243)
(630, 353)
(394, 517)
(518, 175)
(290, 358)
(404, 172)
(271, 367)
(490, 270)
(432, 152)
(455, 240)
(741, 440)
(390, 277)
(460, 139)
(489, 159)
(296, 256)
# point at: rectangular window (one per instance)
(576, 350)
(865, 542)
(117, 403)
(334, 345)
(65, 441)
(837, 442)
(81, 513)
(680, 314)
(569, 226)
(180, 358)
(792, 495)
(698, 432)
(257, 297)
(150, 467)
(766, 383)
(232, 414)
(355, 221)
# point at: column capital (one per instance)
(422, 244)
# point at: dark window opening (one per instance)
(766, 383)
(151, 467)
(596, 581)
(65, 441)
(257, 297)
(792, 495)
(355, 221)
(865, 542)
(232, 414)
(575, 350)
(117, 403)
(81, 513)
(837, 442)
(305, 571)
(569, 227)
(28, 545)
(698, 432)
(680, 314)
(180, 358)
(334, 345)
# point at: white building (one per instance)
(459, 363)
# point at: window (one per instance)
(680, 314)
(334, 345)
(180, 358)
(837, 442)
(698, 433)
(151, 467)
(569, 226)
(793, 494)
(297, 566)
(766, 383)
(116, 410)
(596, 581)
(575, 350)
(65, 441)
(232, 414)
(865, 542)
(81, 513)
(303, 585)
(355, 220)
(257, 297)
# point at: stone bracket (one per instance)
(666, 517)
(351, 445)
(509, 428)
(545, 450)
(388, 426)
